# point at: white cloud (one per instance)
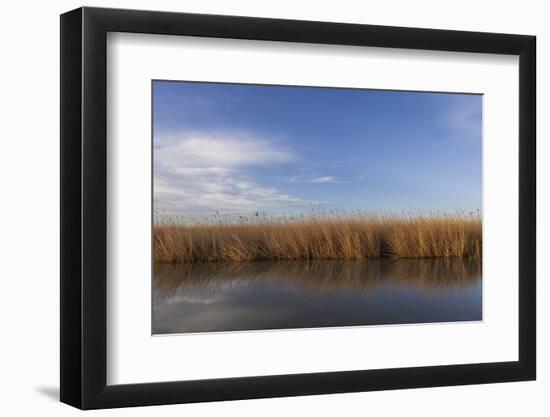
(215, 151)
(314, 180)
(322, 180)
(465, 118)
(201, 174)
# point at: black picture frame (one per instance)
(84, 207)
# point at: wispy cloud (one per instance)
(218, 150)
(203, 173)
(464, 118)
(322, 180)
(312, 180)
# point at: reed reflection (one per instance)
(217, 296)
(323, 275)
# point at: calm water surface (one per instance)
(205, 297)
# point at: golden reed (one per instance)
(319, 237)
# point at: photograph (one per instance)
(255, 207)
(295, 207)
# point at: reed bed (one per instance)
(319, 237)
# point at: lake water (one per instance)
(205, 297)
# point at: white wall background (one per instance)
(29, 232)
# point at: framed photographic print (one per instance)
(257, 207)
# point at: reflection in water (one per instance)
(201, 297)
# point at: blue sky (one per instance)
(238, 149)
